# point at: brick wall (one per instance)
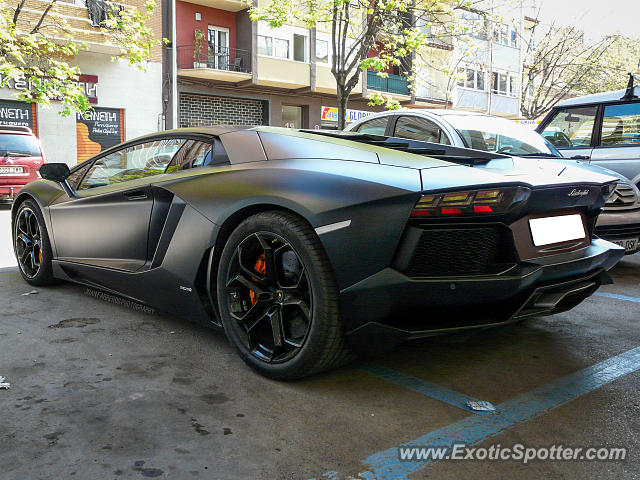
(201, 110)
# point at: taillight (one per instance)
(471, 202)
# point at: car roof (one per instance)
(605, 97)
(434, 111)
(16, 130)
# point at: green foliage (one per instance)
(42, 53)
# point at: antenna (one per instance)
(629, 94)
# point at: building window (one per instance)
(472, 79)
(265, 45)
(504, 35)
(299, 48)
(281, 48)
(273, 47)
(322, 51)
(504, 84)
(513, 84)
(480, 81)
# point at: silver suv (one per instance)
(602, 129)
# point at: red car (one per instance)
(20, 157)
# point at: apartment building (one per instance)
(232, 70)
(127, 101)
(488, 60)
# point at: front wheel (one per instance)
(31, 245)
(278, 298)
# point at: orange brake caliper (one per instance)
(261, 268)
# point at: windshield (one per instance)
(25, 145)
(493, 134)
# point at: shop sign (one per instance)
(19, 114)
(88, 83)
(97, 130)
(330, 114)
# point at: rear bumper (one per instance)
(9, 192)
(391, 307)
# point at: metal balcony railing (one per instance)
(391, 84)
(218, 58)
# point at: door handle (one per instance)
(580, 157)
(135, 195)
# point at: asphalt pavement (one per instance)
(101, 391)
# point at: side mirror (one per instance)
(56, 172)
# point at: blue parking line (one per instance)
(423, 387)
(385, 465)
(618, 297)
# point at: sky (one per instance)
(595, 17)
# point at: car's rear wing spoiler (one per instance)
(465, 156)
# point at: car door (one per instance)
(571, 130)
(618, 146)
(107, 223)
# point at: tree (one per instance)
(621, 57)
(559, 62)
(403, 27)
(41, 51)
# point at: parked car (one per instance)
(620, 221)
(20, 157)
(304, 246)
(602, 129)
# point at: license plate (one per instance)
(10, 170)
(630, 245)
(562, 228)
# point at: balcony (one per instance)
(214, 63)
(228, 5)
(395, 84)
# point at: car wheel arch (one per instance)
(224, 232)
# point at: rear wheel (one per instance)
(278, 299)
(31, 245)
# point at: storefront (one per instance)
(329, 117)
(200, 105)
(126, 103)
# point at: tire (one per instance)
(300, 308)
(31, 245)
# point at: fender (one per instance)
(43, 192)
(323, 192)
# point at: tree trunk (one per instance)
(343, 98)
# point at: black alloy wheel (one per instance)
(28, 242)
(31, 244)
(269, 296)
(278, 299)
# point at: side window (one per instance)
(76, 175)
(418, 128)
(571, 127)
(192, 154)
(621, 125)
(376, 126)
(137, 161)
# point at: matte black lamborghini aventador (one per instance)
(307, 245)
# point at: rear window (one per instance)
(376, 126)
(26, 145)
